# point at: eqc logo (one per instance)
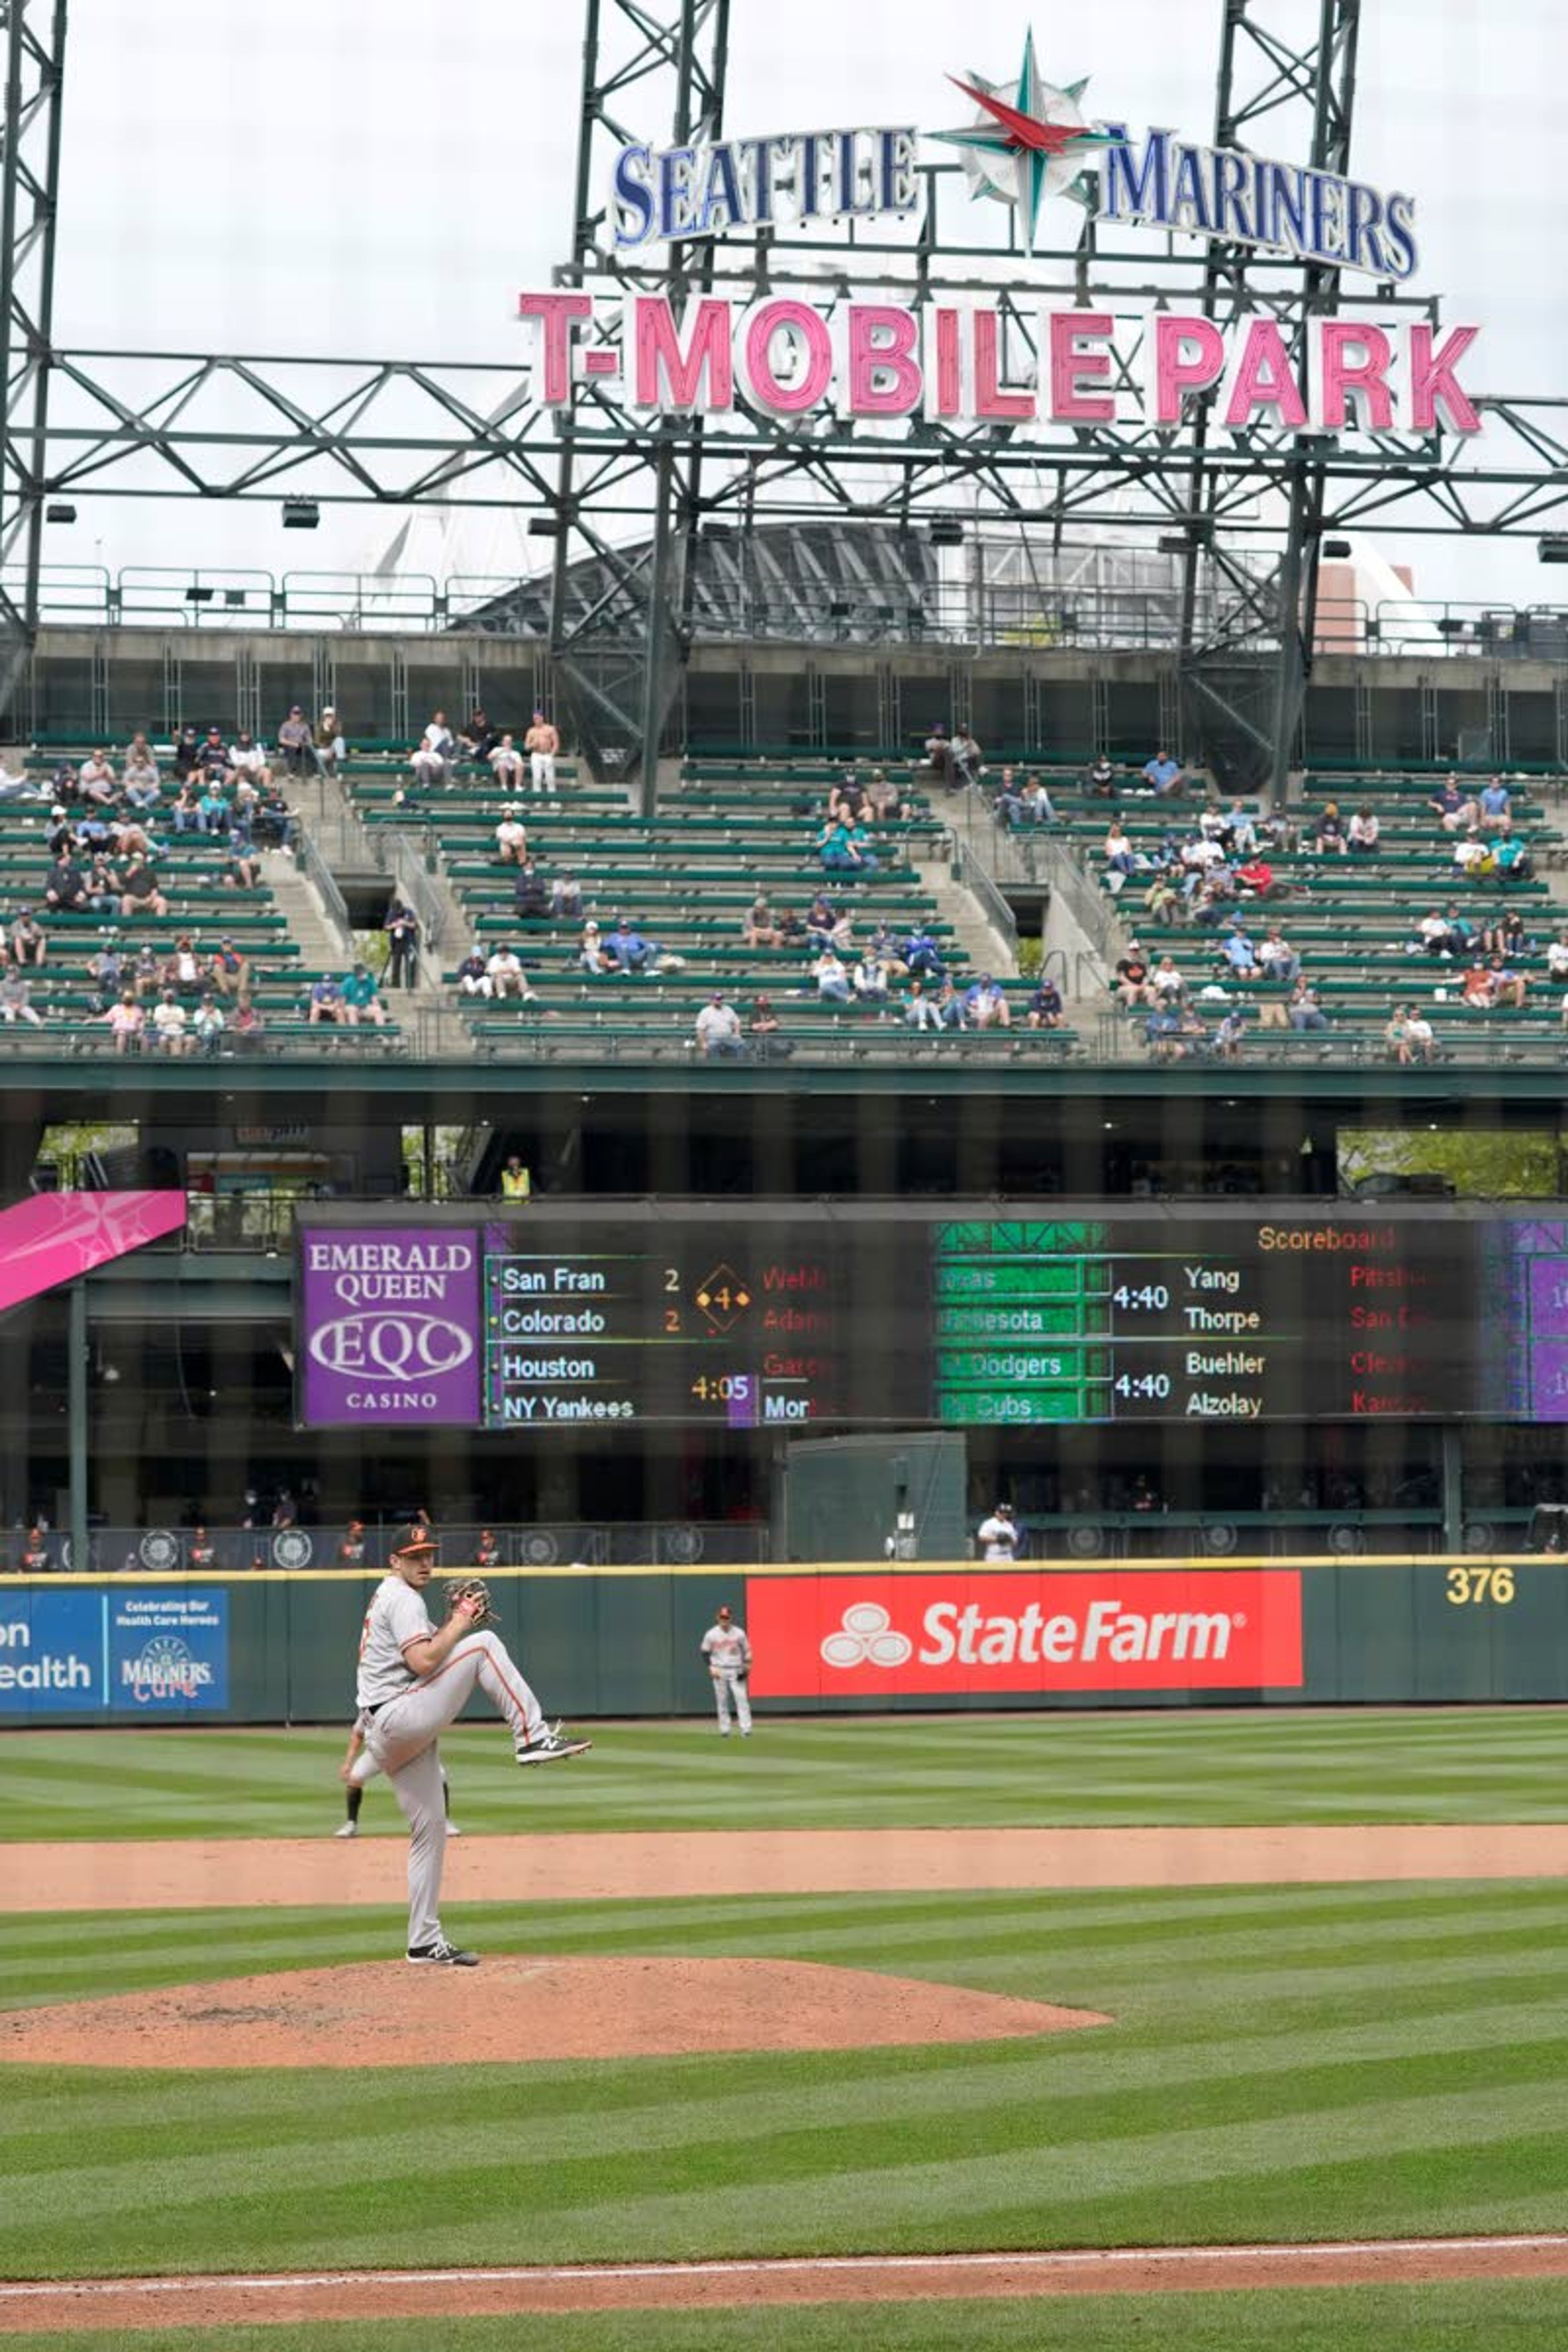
(1022, 1630)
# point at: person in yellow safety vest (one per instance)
(516, 1182)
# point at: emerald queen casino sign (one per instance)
(881, 360)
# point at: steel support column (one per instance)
(30, 184)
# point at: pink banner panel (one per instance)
(53, 1237)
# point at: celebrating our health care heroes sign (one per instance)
(868, 357)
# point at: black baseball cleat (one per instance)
(440, 1955)
(554, 1741)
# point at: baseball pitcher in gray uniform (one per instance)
(413, 1680)
(729, 1656)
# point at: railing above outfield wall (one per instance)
(278, 1647)
(991, 614)
(160, 1551)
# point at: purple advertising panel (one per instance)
(389, 1326)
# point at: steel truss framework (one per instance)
(1250, 509)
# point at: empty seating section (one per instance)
(189, 869)
(686, 880)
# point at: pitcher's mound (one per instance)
(513, 2009)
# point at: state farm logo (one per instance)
(1019, 1629)
(864, 1639)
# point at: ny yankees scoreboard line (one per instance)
(743, 1321)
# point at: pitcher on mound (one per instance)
(413, 1680)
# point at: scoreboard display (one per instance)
(751, 1318)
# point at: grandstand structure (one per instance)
(738, 613)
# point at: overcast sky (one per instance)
(380, 177)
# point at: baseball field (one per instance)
(1309, 2091)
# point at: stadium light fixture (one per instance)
(199, 595)
(1554, 548)
(57, 511)
(301, 514)
(947, 534)
(1335, 548)
(543, 527)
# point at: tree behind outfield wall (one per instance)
(1480, 1164)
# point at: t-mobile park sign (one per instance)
(791, 359)
(389, 1327)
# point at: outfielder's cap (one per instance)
(1003, 1510)
(416, 1540)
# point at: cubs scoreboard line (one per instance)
(755, 1322)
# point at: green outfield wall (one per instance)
(276, 1647)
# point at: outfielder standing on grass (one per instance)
(729, 1656)
(412, 1682)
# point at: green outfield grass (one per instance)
(1455, 1764)
(1298, 2063)
(1510, 2316)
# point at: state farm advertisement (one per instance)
(871, 1636)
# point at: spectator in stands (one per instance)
(1044, 1009)
(15, 1000)
(1410, 1035)
(820, 918)
(1557, 957)
(922, 958)
(832, 978)
(187, 754)
(512, 837)
(967, 757)
(566, 897)
(295, 740)
(542, 745)
(227, 971)
(1510, 985)
(183, 971)
(473, 974)
(1277, 960)
(506, 766)
(885, 801)
(1256, 876)
(325, 1003)
(507, 978)
(1330, 840)
(1507, 936)
(478, 740)
(139, 891)
(719, 1029)
(626, 950)
(1036, 805)
(1510, 855)
(516, 1181)
(1163, 774)
(1227, 1038)
(939, 757)
(362, 999)
(247, 757)
(207, 1026)
(759, 930)
(764, 1035)
(105, 972)
(145, 975)
(1238, 834)
(1493, 807)
(186, 810)
(1117, 849)
(1474, 858)
(1101, 779)
(1303, 1010)
(591, 951)
(530, 898)
(211, 808)
(126, 1021)
(169, 1022)
(1163, 898)
(140, 780)
(1166, 981)
(96, 781)
(1009, 799)
(329, 747)
(845, 849)
(403, 941)
(243, 871)
(986, 1004)
(1132, 979)
(1162, 1032)
(246, 1024)
(920, 1011)
(432, 757)
(1432, 935)
(949, 1007)
(1364, 830)
(871, 980)
(1239, 954)
(65, 886)
(1455, 812)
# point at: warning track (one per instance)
(118, 2304)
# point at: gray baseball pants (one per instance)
(401, 1741)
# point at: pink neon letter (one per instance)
(1176, 373)
(668, 377)
(1353, 358)
(883, 343)
(949, 368)
(1071, 366)
(1264, 379)
(788, 400)
(556, 314)
(990, 400)
(1432, 380)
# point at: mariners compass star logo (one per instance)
(1026, 142)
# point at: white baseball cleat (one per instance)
(553, 1742)
(453, 1831)
(346, 1829)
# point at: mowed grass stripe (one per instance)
(1450, 1765)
